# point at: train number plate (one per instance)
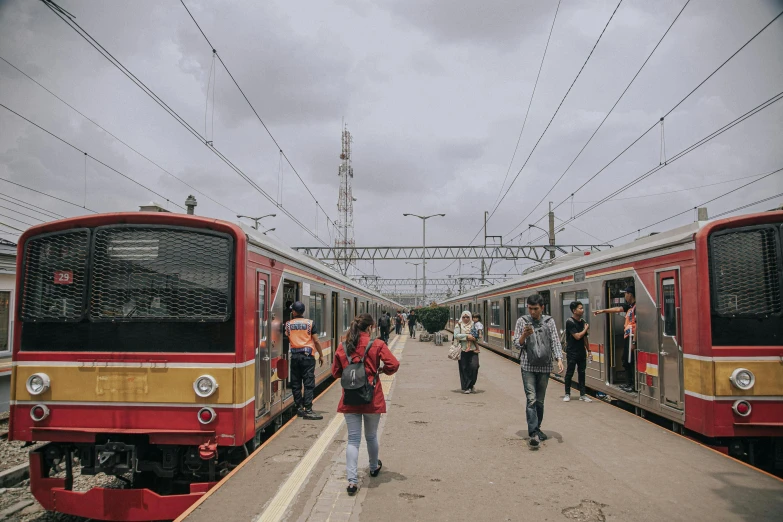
(63, 277)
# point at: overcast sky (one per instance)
(434, 92)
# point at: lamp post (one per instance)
(415, 284)
(270, 230)
(424, 252)
(256, 219)
(551, 235)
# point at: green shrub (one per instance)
(433, 318)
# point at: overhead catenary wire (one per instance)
(22, 214)
(606, 117)
(748, 205)
(654, 125)
(86, 154)
(116, 63)
(17, 220)
(104, 129)
(689, 209)
(555, 113)
(29, 206)
(530, 103)
(47, 195)
(263, 124)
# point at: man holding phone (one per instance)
(537, 339)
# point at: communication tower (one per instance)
(344, 237)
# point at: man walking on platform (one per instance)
(629, 335)
(536, 337)
(384, 323)
(398, 323)
(576, 348)
(303, 341)
(412, 324)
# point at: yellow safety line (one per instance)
(280, 502)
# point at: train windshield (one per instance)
(128, 288)
(746, 275)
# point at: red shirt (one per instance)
(379, 352)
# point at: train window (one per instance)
(669, 308)
(547, 302)
(580, 296)
(521, 307)
(317, 313)
(346, 313)
(495, 313)
(262, 312)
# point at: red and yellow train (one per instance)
(709, 326)
(149, 346)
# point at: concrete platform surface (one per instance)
(450, 456)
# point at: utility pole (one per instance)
(551, 231)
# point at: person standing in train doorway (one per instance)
(577, 350)
(535, 335)
(629, 334)
(303, 342)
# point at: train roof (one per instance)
(259, 239)
(576, 260)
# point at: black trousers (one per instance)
(468, 369)
(303, 372)
(630, 367)
(575, 361)
(412, 329)
(384, 334)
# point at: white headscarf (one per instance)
(462, 326)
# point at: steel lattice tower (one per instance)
(344, 237)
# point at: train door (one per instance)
(507, 326)
(263, 348)
(669, 334)
(613, 351)
(335, 324)
(290, 295)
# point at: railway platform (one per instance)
(451, 456)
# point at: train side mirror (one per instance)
(282, 369)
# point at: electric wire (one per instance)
(748, 205)
(263, 124)
(17, 220)
(29, 206)
(47, 195)
(690, 209)
(89, 156)
(22, 214)
(530, 103)
(559, 179)
(116, 63)
(756, 35)
(555, 113)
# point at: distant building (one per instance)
(7, 295)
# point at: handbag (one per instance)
(455, 351)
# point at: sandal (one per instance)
(377, 470)
(352, 489)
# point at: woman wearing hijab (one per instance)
(469, 360)
(356, 344)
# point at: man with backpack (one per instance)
(384, 323)
(536, 337)
(398, 323)
(303, 342)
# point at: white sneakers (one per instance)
(583, 398)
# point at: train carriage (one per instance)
(710, 332)
(149, 346)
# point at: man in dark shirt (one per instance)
(577, 350)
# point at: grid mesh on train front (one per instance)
(159, 273)
(746, 272)
(55, 270)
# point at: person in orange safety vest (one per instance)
(303, 342)
(629, 334)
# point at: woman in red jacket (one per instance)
(353, 349)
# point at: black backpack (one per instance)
(356, 388)
(384, 321)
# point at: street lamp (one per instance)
(415, 284)
(424, 251)
(551, 237)
(270, 230)
(256, 219)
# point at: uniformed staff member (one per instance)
(303, 341)
(629, 334)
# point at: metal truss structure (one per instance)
(538, 253)
(456, 284)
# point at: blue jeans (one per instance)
(354, 423)
(535, 392)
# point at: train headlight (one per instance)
(742, 379)
(39, 412)
(205, 386)
(37, 383)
